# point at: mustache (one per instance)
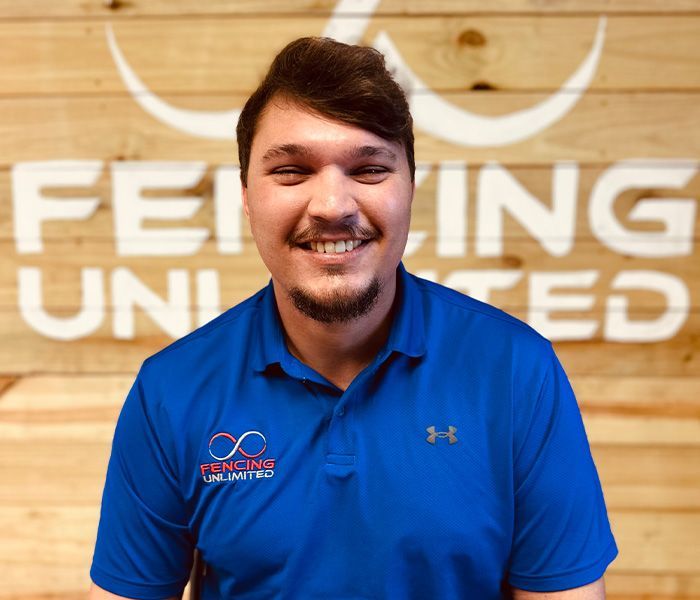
(314, 232)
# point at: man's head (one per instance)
(345, 83)
(327, 167)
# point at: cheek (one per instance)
(270, 224)
(395, 217)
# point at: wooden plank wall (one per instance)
(61, 98)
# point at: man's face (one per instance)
(329, 208)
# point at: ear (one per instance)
(244, 198)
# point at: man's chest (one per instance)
(301, 484)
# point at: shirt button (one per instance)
(341, 412)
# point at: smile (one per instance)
(331, 247)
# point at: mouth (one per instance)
(333, 246)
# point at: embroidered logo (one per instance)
(249, 464)
(441, 434)
(236, 444)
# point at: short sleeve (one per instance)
(144, 547)
(562, 537)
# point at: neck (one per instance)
(338, 351)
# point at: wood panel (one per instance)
(646, 125)
(61, 261)
(648, 477)
(62, 98)
(658, 431)
(42, 9)
(72, 245)
(48, 549)
(537, 180)
(679, 357)
(23, 350)
(449, 53)
(639, 396)
(652, 542)
(626, 585)
(242, 275)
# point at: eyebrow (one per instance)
(286, 150)
(370, 151)
(282, 150)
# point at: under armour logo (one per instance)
(441, 434)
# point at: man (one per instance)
(350, 431)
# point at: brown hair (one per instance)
(347, 83)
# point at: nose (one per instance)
(332, 197)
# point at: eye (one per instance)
(289, 175)
(371, 174)
(286, 171)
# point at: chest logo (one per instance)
(237, 458)
(222, 436)
(450, 433)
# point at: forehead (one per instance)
(286, 128)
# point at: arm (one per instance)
(562, 538)
(592, 591)
(144, 545)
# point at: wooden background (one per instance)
(61, 97)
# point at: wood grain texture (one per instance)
(646, 125)
(72, 245)
(5, 383)
(61, 98)
(449, 53)
(242, 275)
(41, 9)
(648, 477)
(640, 396)
(537, 180)
(47, 550)
(656, 542)
(649, 586)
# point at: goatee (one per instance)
(336, 307)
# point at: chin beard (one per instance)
(336, 307)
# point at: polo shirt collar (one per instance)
(406, 336)
(407, 333)
(269, 339)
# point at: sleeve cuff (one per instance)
(137, 591)
(565, 580)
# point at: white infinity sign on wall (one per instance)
(431, 112)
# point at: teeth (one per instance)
(335, 247)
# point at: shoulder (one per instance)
(224, 337)
(448, 307)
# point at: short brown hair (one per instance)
(347, 83)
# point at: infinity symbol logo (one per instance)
(237, 444)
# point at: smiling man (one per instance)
(351, 431)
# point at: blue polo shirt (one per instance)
(455, 462)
